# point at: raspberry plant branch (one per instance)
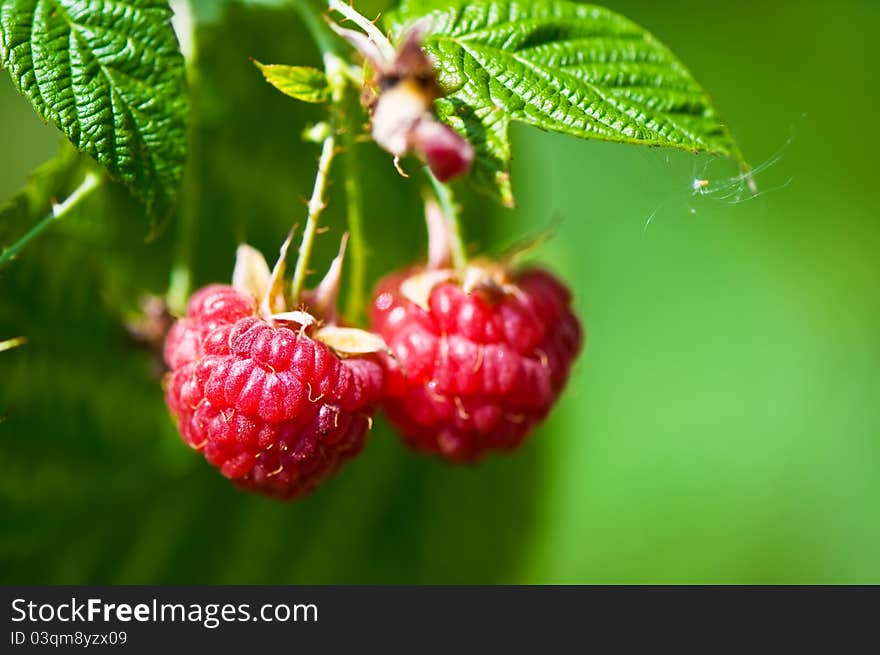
(180, 279)
(373, 33)
(344, 111)
(316, 206)
(445, 200)
(355, 214)
(91, 182)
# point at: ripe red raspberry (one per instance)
(473, 372)
(275, 410)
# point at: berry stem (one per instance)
(355, 214)
(344, 108)
(90, 183)
(316, 206)
(450, 211)
(373, 33)
(180, 279)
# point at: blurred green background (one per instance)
(721, 426)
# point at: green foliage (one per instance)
(560, 66)
(53, 180)
(300, 82)
(33, 209)
(721, 425)
(97, 484)
(110, 76)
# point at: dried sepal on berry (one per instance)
(417, 287)
(274, 301)
(302, 319)
(347, 341)
(251, 273)
(323, 298)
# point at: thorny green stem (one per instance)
(373, 33)
(180, 281)
(89, 184)
(355, 213)
(450, 210)
(316, 206)
(343, 115)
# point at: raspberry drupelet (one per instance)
(475, 366)
(276, 410)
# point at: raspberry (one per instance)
(473, 372)
(275, 410)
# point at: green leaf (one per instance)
(54, 189)
(110, 76)
(560, 66)
(300, 82)
(50, 182)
